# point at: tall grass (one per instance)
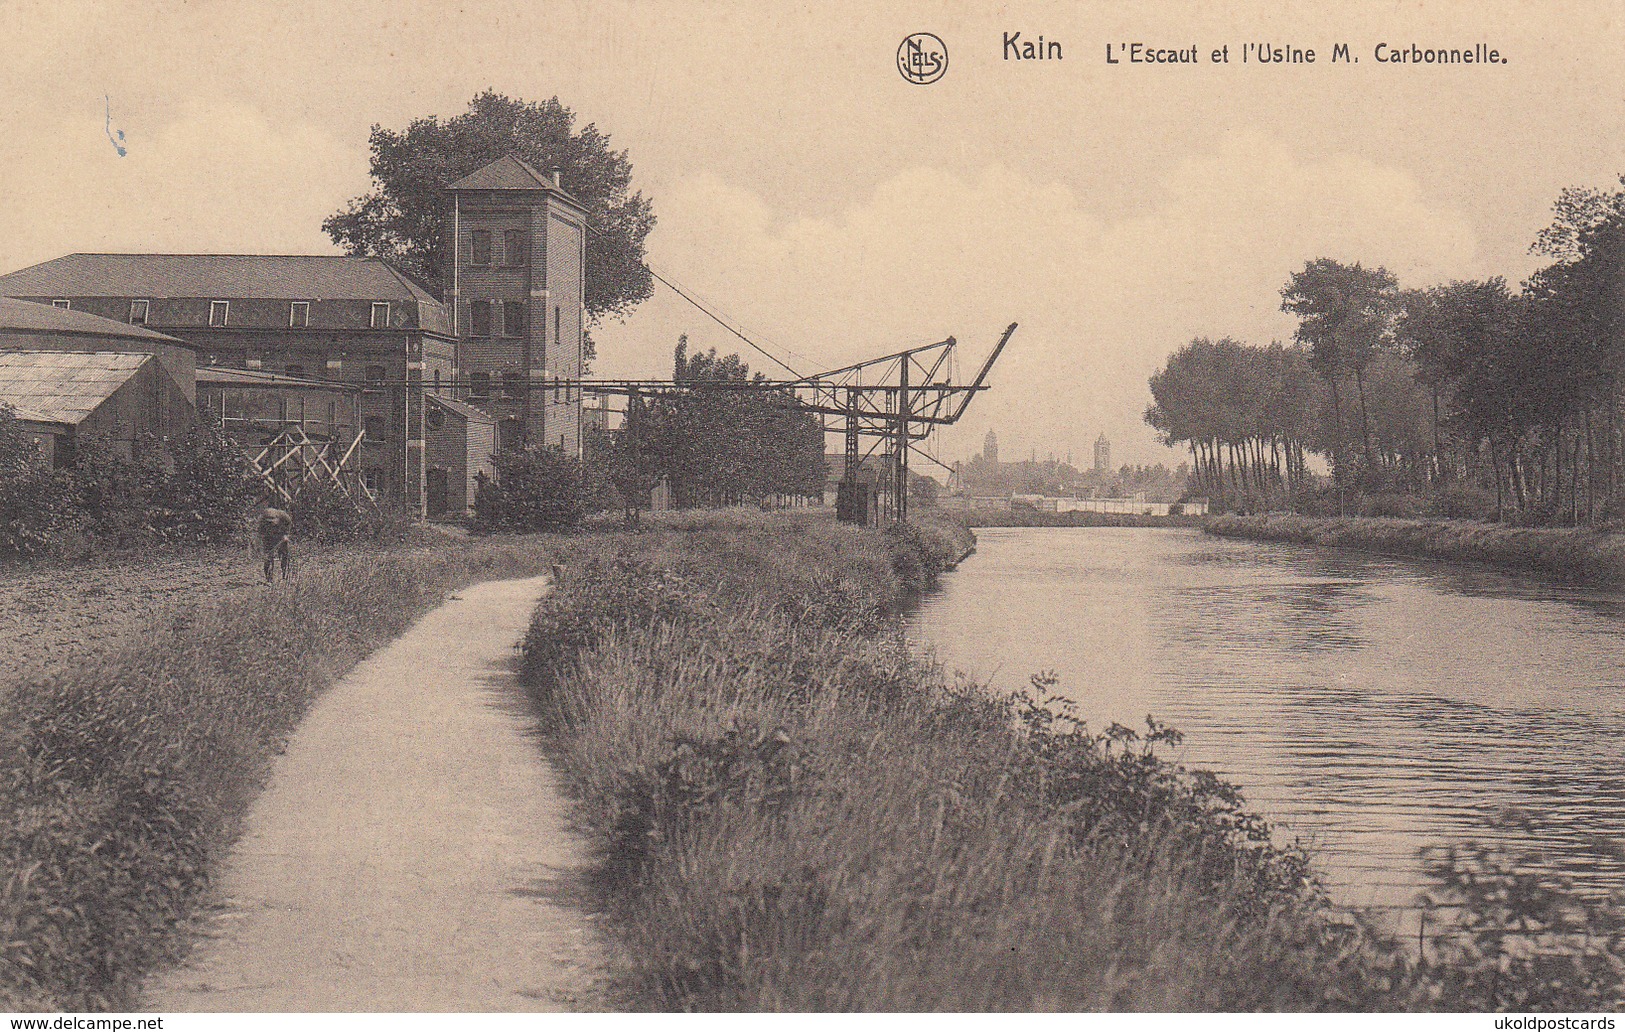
(122, 781)
(795, 812)
(1574, 553)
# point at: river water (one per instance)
(1370, 706)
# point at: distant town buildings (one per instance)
(1103, 455)
(990, 448)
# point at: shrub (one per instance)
(1460, 501)
(1404, 506)
(325, 515)
(535, 489)
(34, 502)
(209, 488)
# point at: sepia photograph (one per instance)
(624, 508)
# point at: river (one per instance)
(1368, 705)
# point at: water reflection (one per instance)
(1372, 705)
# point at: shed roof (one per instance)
(32, 317)
(269, 276)
(468, 412)
(64, 386)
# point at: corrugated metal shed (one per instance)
(263, 276)
(63, 386)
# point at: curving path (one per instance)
(411, 851)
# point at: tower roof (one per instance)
(510, 173)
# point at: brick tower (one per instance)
(518, 283)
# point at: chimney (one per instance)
(553, 172)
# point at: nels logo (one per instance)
(922, 59)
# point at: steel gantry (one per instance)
(892, 402)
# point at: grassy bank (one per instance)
(794, 812)
(127, 763)
(1570, 553)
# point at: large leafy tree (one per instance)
(1346, 315)
(736, 444)
(403, 217)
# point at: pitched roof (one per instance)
(228, 377)
(505, 173)
(31, 317)
(63, 386)
(468, 412)
(270, 276)
(511, 173)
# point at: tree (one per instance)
(535, 489)
(1345, 316)
(640, 453)
(403, 218)
(733, 444)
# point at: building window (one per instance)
(335, 368)
(219, 312)
(479, 386)
(513, 247)
(482, 248)
(513, 318)
(299, 314)
(558, 323)
(481, 312)
(375, 427)
(435, 417)
(380, 315)
(138, 312)
(62, 303)
(512, 387)
(373, 479)
(375, 374)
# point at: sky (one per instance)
(833, 210)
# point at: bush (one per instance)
(323, 514)
(34, 502)
(535, 489)
(195, 489)
(209, 489)
(1394, 504)
(1459, 501)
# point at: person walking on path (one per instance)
(276, 539)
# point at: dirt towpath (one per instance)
(410, 852)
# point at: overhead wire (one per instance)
(674, 288)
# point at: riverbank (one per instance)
(1074, 518)
(794, 811)
(1575, 554)
(131, 748)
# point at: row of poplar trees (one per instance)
(713, 442)
(1463, 388)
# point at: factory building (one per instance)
(502, 341)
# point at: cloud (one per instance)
(1103, 297)
(215, 176)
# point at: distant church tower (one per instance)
(990, 448)
(518, 285)
(1103, 455)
